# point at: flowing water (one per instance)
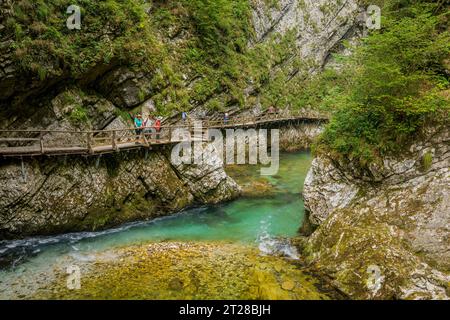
(230, 251)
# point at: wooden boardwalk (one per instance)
(28, 143)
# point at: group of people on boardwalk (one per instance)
(150, 126)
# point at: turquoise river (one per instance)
(237, 250)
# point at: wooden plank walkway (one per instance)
(26, 143)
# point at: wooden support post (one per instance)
(41, 142)
(114, 143)
(24, 173)
(89, 143)
(147, 144)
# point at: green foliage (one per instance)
(110, 29)
(219, 64)
(218, 50)
(78, 116)
(427, 161)
(212, 64)
(391, 86)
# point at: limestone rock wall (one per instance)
(76, 194)
(72, 194)
(393, 219)
(299, 136)
(319, 26)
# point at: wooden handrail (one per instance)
(18, 139)
(112, 140)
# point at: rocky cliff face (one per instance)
(317, 29)
(299, 136)
(384, 233)
(319, 26)
(79, 194)
(49, 196)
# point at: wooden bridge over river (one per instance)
(29, 143)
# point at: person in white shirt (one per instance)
(149, 126)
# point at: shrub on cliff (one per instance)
(393, 85)
(195, 52)
(111, 29)
(207, 42)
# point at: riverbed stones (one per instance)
(176, 284)
(179, 270)
(288, 285)
(126, 88)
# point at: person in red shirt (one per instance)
(158, 128)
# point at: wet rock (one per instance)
(176, 284)
(326, 189)
(89, 194)
(288, 285)
(208, 181)
(261, 188)
(204, 270)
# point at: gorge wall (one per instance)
(50, 196)
(44, 88)
(305, 32)
(383, 233)
(300, 136)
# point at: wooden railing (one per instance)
(61, 142)
(68, 142)
(265, 118)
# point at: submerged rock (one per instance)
(384, 234)
(252, 187)
(187, 270)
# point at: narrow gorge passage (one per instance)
(241, 246)
(116, 117)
